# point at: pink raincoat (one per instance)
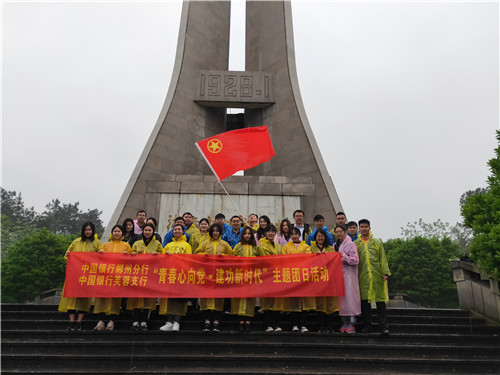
(350, 304)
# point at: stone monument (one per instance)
(172, 177)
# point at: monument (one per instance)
(172, 177)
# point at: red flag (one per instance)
(236, 150)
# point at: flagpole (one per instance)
(220, 182)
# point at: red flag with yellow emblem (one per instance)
(236, 150)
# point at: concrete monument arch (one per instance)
(171, 176)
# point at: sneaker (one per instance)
(110, 326)
(269, 329)
(166, 327)
(241, 327)
(295, 329)
(304, 329)
(215, 327)
(71, 327)
(144, 326)
(342, 328)
(135, 326)
(349, 328)
(384, 332)
(176, 326)
(100, 326)
(206, 327)
(78, 326)
(278, 329)
(247, 327)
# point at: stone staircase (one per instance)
(422, 341)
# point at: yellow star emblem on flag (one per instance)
(214, 146)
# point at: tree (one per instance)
(420, 268)
(63, 218)
(35, 264)
(458, 233)
(18, 221)
(481, 213)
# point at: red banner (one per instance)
(192, 276)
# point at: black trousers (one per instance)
(366, 311)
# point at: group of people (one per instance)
(364, 262)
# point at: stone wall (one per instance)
(477, 292)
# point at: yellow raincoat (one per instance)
(244, 306)
(297, 304)
(80, 303)
(195, 234)
(270, 303)
(139, 247)
(213, 247)
(111, 305)
(326, 304)
(372, 266)
(175, 306)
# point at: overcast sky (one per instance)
(402, 98)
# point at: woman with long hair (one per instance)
(129, 235)
(142, 307)
(110, 306)
(87, 242)
(297, 305)
(284, 235)
(264, 224)
(247, 247)
(212, 307)
(203, 226)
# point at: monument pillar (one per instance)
(171, 176)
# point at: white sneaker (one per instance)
(144, 326)
(110, 326)
(278, 329)
(166, 327)
(303, 329)
(295, 329)
(135, 326)
(176, 326)
(269, 329)
(100, 326)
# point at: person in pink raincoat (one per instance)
(350, 304)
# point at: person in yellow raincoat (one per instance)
(212, 307)
(373, 272)
(203, 226)
(174, 308)
(297, 305)
(194, 232)
(325, 306)
(87, 242)
(271, 306)
(110, 306)
(142, 307)
(247, 247)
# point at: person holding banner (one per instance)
(350, 304)
(212, 307)
(297, 305)
(247, 247)
(325, 306)
(269, 305)
(87, 242)
(142, 307)
(174, 308)
(110, 306)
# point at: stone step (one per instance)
(174, 345)
(211, 338)
(235, 337)
(169, 361)
(127, 317)
(232, 325)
